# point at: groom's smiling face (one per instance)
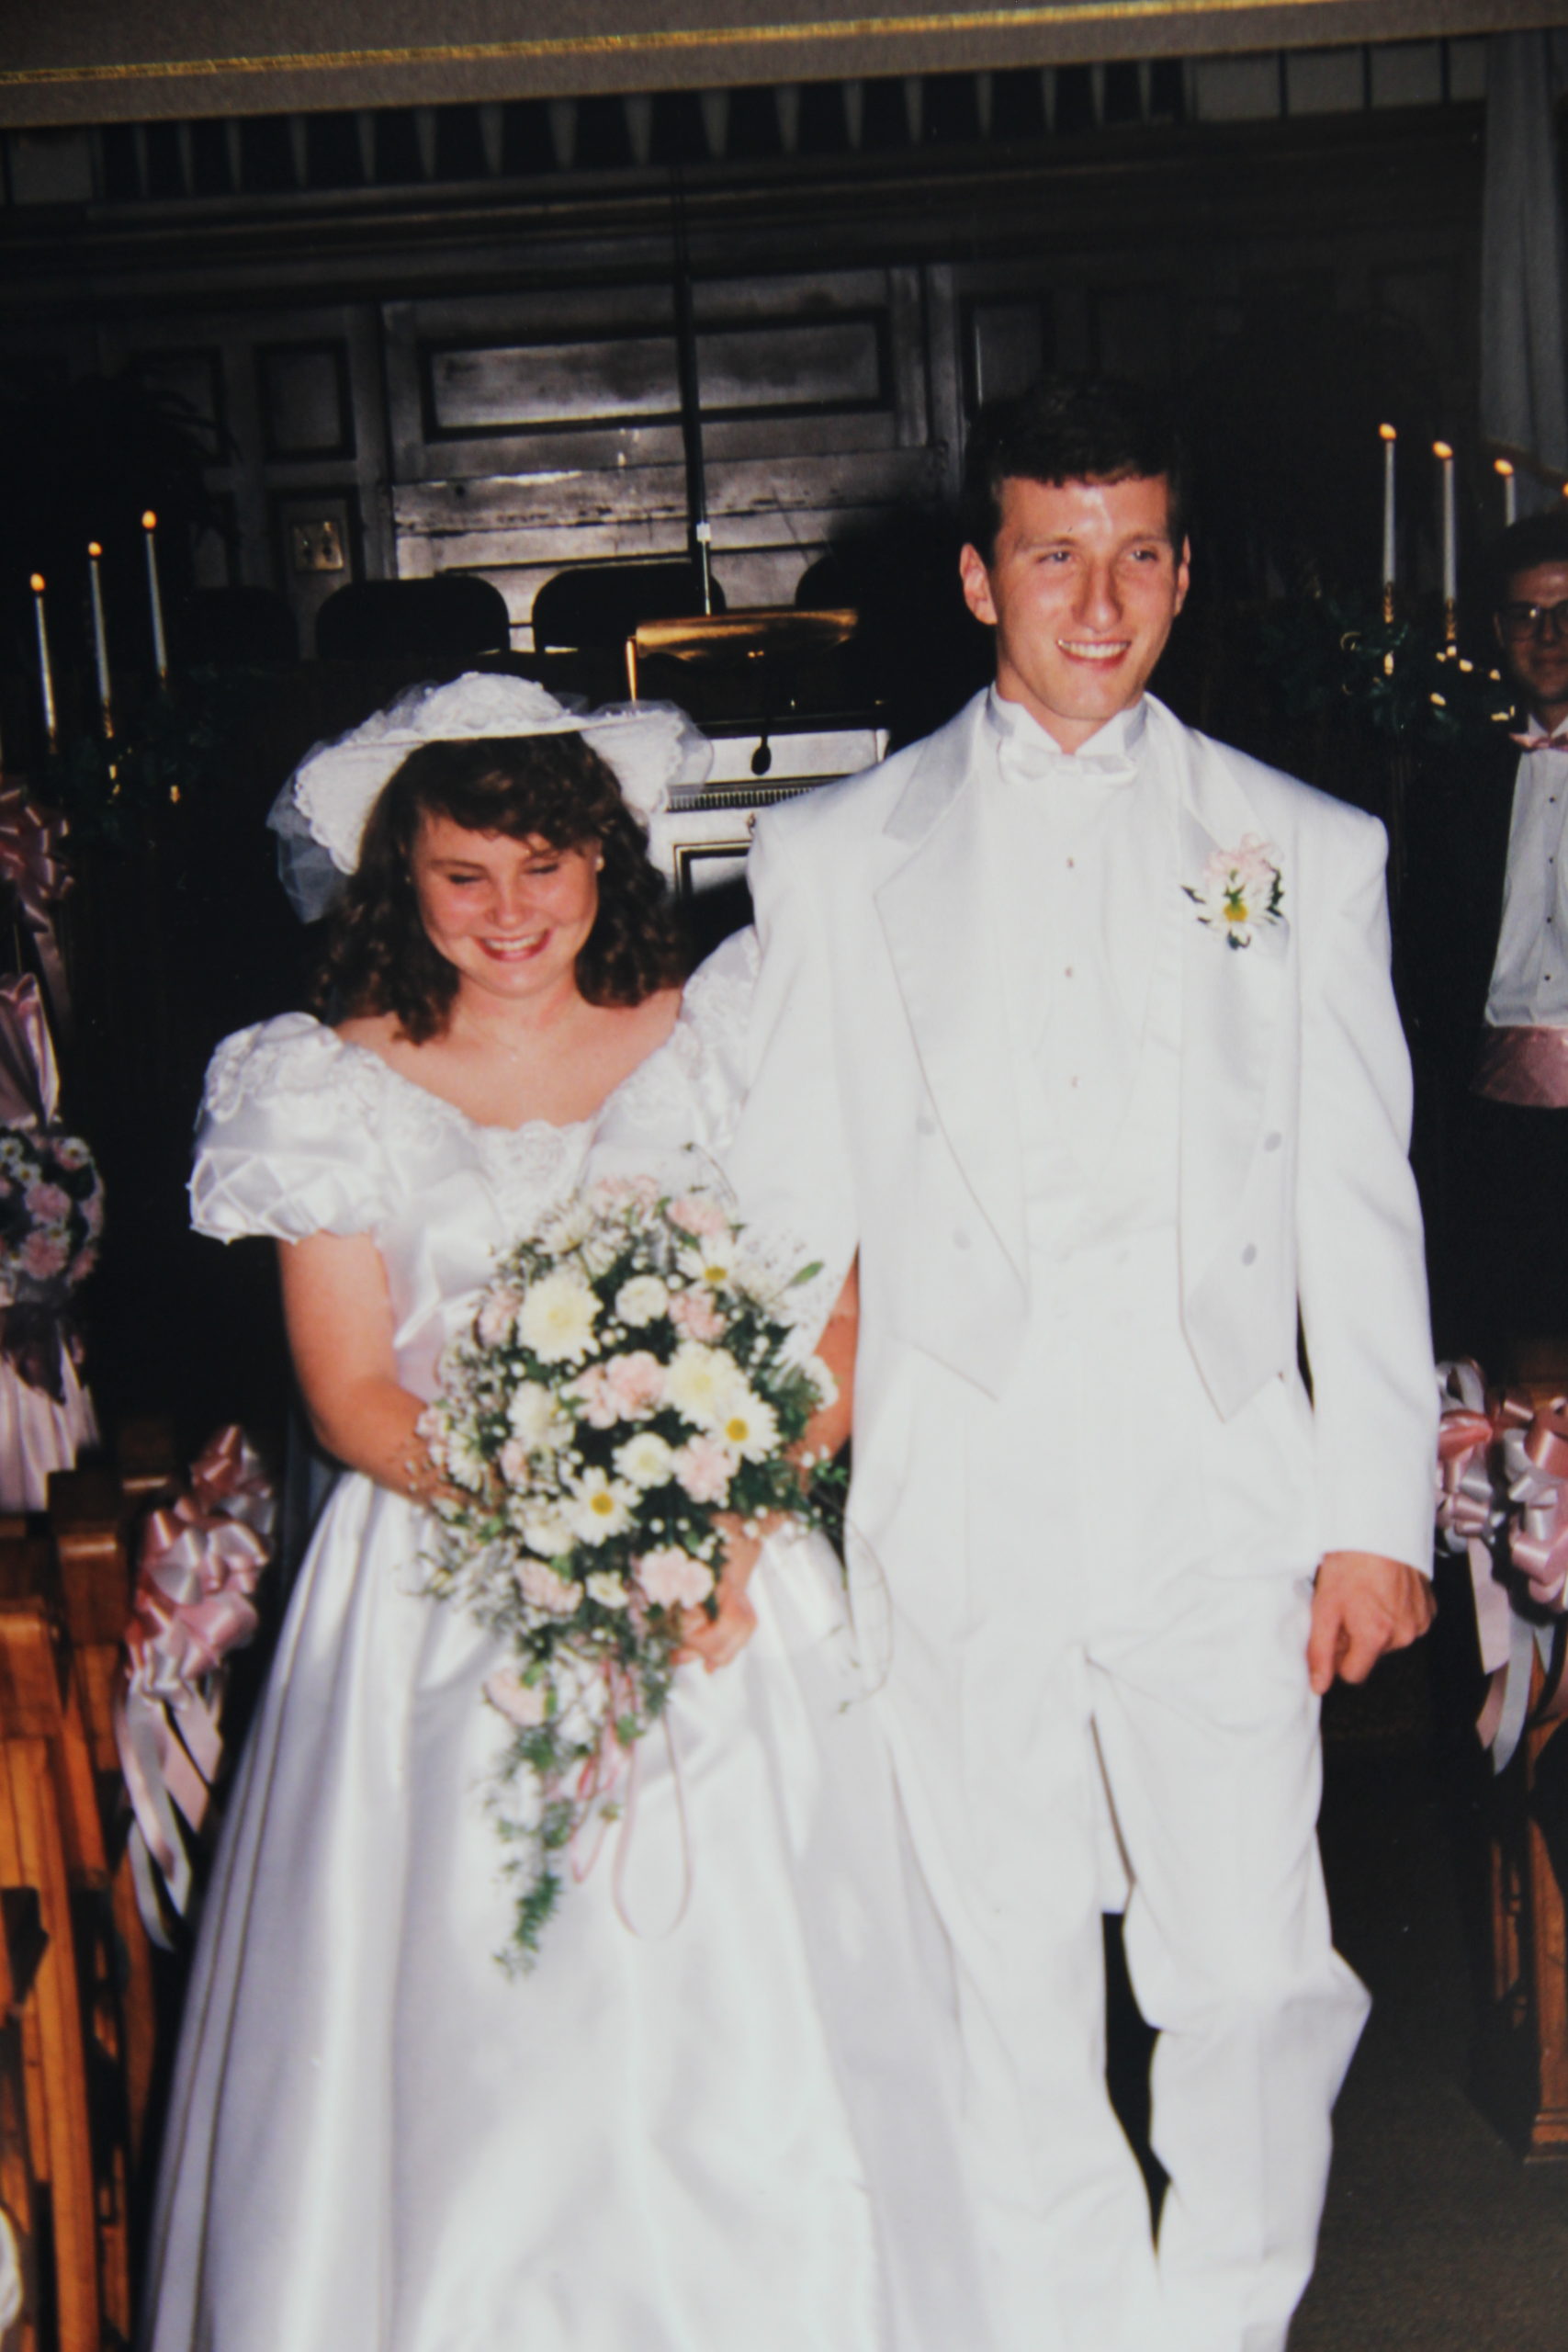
(1081, 588)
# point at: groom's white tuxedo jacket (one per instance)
(883, 1112)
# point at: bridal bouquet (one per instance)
(627, 1377)
(52, 1214)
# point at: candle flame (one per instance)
(148, 521)
(37, 583)
(1441, 450)
(1501, 466)
(93, 549)
(1387, 432)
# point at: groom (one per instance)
(1076, 1027)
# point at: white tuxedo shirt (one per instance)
(883, 1112)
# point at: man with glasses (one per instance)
(1496, 971)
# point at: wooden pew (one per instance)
(51, 1845)
(91, 1515)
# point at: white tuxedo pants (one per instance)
(1139, 1589)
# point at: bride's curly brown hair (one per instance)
(533, 788)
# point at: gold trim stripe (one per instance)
(1053, 14)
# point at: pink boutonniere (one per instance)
(1239, 890)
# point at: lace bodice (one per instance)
(303, 1133)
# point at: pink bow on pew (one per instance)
(200, 1560)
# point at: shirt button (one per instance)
(1073, 1082)
(1067, 971)
(924, 1124)
(1272, 1142)
(1249, 1255)
(960, 1239)
(1072, 863)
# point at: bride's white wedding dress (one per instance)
(734, 2133)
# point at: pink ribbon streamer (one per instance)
(200, 1560)
(598, 1783)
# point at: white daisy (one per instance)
(748, 1427)
(599, 1508)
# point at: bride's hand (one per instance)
(716, 1641)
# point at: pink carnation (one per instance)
(527, 1704)
(704, 1469)
(44, 1255)
(695, 1315)
(601, 1406)
(637, 1383)
(497, 1315)
(673, 1579)
(48, 1203)
(695, 1213)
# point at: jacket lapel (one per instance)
(1232, 1002)
(941, 931)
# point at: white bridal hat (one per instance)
(319, 815)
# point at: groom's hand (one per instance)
(1362, 1607)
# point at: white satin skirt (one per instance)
(730, 2128)
(37, 1435)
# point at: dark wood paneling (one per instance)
(306, 404)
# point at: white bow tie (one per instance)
(1031, 760)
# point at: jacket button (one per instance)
(1249, 1255)
(1271, 1142)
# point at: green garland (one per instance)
(119, 791)
(1330, 651)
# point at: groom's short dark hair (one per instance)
(1069, 428)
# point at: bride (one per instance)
(700, 2123)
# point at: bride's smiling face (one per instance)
(511, 916)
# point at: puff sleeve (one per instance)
(285, 1147)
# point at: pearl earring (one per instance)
(598, 863)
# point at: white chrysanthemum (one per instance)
(748, 1427)
(537, 1419)
(822, 1380)
(702, 1384)
(641, 1300)
(547, 1531)
(541, 1586)
(609, 1592)
(599, 1508)
(645, 1460)
(557, 1319)
(567, 1229)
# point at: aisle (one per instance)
(1436, 2238)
